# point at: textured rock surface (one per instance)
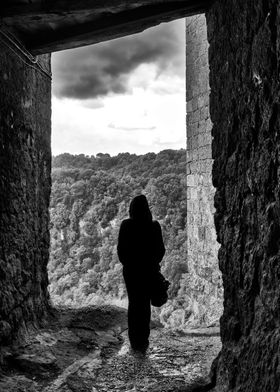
(204, 283)
(244, 59)
(87, 350)
(25, 159)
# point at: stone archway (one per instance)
(244, 106)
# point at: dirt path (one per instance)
(173, 363)
(88, 351)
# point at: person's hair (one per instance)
(139, 208)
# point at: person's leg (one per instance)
(139, 313)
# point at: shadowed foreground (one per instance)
(87, 350)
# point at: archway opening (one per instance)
(94, 87)
(124, 95)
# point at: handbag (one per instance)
(159, 290)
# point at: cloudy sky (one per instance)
(122, 95)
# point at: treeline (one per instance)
(90, 197)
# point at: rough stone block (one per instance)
(192, 180)
(195, 107)
(193, 193)
(204, 113)
(209, 125)
(192, 130)
(189, 156)
(195, 144)
(207, 139)
(201, 126)
(189, 120)
(206, 166)
(189, 106)
(195, 154)
(205, 152)
(201, 233)
(200, 101)
(200, 142)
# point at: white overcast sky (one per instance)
(122, 95)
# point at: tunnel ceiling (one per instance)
(51, 25)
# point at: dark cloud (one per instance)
(102, 69)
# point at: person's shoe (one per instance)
(139, 352)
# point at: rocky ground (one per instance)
(87, 350)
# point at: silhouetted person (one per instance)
(140, 250)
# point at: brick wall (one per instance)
(204, 281)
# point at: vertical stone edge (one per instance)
(204, 293)
(244, 61)
(25, 185)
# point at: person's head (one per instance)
(139, 208)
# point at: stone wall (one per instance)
(25, 183)
(204, 278)
(244, 60)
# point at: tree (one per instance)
(90, 197)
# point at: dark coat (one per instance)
(140, 245)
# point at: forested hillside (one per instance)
(90, 197)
